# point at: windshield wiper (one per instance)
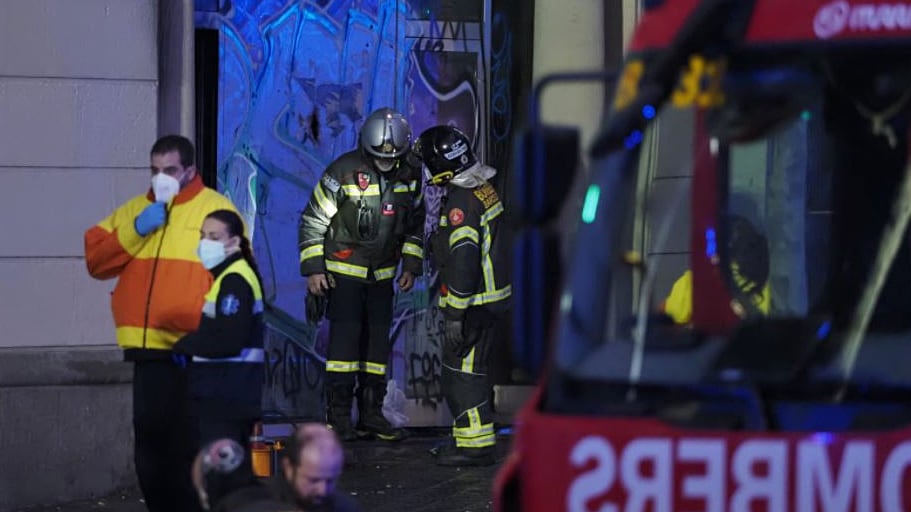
(892, 238)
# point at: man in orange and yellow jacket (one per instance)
(149, 243)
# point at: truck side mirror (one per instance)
(547, 162)
(547, 159)
(536, 281)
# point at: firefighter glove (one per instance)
(455, 339)
(316, 307)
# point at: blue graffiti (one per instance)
(500, 89)
(297, 80)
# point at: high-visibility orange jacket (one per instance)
(162, 284)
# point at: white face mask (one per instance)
(211, 253)
(164, 187)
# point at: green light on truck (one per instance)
(590, 206)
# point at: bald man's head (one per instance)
(313, 463)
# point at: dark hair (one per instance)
(235, 225)
(177, 143)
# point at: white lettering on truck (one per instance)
(854, 478)
(595, 482)
(760, 469)
(839, 16)
(710, 485)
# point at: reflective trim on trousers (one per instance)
(374, 368)
(343, 366)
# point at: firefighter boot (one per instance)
(339, 398)
(371, 421)
(463, 457)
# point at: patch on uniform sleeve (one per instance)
(230, 305)
(487, 195)
(388, 208)
(331, 183)
(456, 216)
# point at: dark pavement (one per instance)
(382, 476)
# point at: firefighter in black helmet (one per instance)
(474, 291)
(366, 214)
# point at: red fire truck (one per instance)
(758, 358)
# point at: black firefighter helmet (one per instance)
(446, 152)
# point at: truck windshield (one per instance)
(766, 211)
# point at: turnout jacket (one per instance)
(161, 282)
(359, 222)
(227, 372)
(466, 249)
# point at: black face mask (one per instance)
(367, 226)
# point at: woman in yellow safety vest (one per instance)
(226, 367)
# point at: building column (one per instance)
(570, 36)
(176, 68)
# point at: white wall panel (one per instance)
(76, 123)
(79, 38)
(78, 112)
(59, 205)
(53, 302)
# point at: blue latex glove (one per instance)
(151, 218)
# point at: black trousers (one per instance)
(360, 315)
(465, 386)
(164, 439)
(224, 400)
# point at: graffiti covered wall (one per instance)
(297, 78)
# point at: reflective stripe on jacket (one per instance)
(466, 247)
(226, 376)
(231, 329)
(359, 222)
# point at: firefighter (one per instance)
(749, 275)
(365, 215)
(226, 372)
(474, 291)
